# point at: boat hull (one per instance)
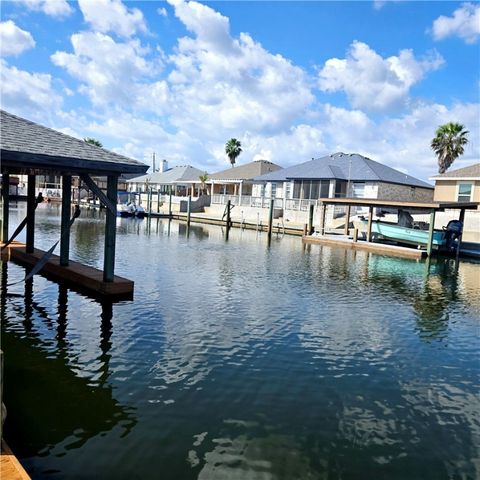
(407, 235)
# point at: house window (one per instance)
(288, 188)
(296, 189)
(465, 192)
(358, 189)
(273, 190)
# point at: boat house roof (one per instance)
(343, 166)
(27, 147)
(248, 171)
(179, 174)
(472, 172)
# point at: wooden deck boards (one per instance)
(10, 467)
(381, 248)
(76, 274)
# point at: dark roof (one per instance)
(179, 174)
(472, 171)
(246, 172)
(343, 166)
(27, 145)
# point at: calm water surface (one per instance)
(237, 360)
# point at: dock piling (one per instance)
(270, 217)
(170, 203)
(65, 221)
(430, 232)
(189, 209)
(110, 227)
(5, 206)
(31, 203)
(369, 226)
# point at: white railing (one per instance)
(247, 201)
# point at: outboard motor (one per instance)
(452, 233)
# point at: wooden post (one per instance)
(347, 220)
(369, 226)
(110, 227)
(305, 229)
(158, 201)
(31, 201)
(310, 220)
(150, 199)
(170, 203)
(324, 214)
(65, 225)
(430, 233)
(355, 235)
(6, 205)
(189, 209)
(461, 218)
(270, 217)
(228, 215)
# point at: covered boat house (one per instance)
(31, 149)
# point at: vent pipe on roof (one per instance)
(163, 166)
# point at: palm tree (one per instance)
(93, 141)
(233, 150)
(203, 178)
(448, 144)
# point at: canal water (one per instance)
(242, 360)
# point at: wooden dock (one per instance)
(75, 274)
(10, 467)
(375, 247)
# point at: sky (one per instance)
(290, 80)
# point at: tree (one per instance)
(448, 144)
(233, 150)
(93, 141)
(203, 178)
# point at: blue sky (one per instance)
(291, 80)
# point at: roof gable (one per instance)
(247, 171)
(471, 171)
(185, 173)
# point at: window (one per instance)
(324, 188)
(296, 189)
(273, 193)
(465, 192)
(358, 189)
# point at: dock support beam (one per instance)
(31, 203)
(65, 226)
(110, 227)
(430, 233)
(347, 219)
(158, 201)
(270, 217)
(369, 227)
(310, 220)
(461, 218)
(6, 205)
(170, 203)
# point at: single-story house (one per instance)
(461, 185)
(339, 175)
(238, 181)
(183, 180)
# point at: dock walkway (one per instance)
(10, 467)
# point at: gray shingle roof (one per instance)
(472, 171)
(25, 144)
(342, 166)
(179, 174)
(247, 171)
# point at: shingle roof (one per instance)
(25, 144)
(247, 171)
(472, 171)
(342, 166)
(179, 174)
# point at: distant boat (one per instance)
(126, 209)
(140, 212)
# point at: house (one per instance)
(183, 180)
(238, 181)
(461, 185)
(339, 175)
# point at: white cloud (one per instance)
(373, 82)
(28, 94)
(52, 8)
(379, 4)
(162, 12)
(14, 40)
(112, 72)
(112, 16)
(465, 23)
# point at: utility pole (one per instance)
(153, 159)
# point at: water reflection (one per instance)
(72, 406)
